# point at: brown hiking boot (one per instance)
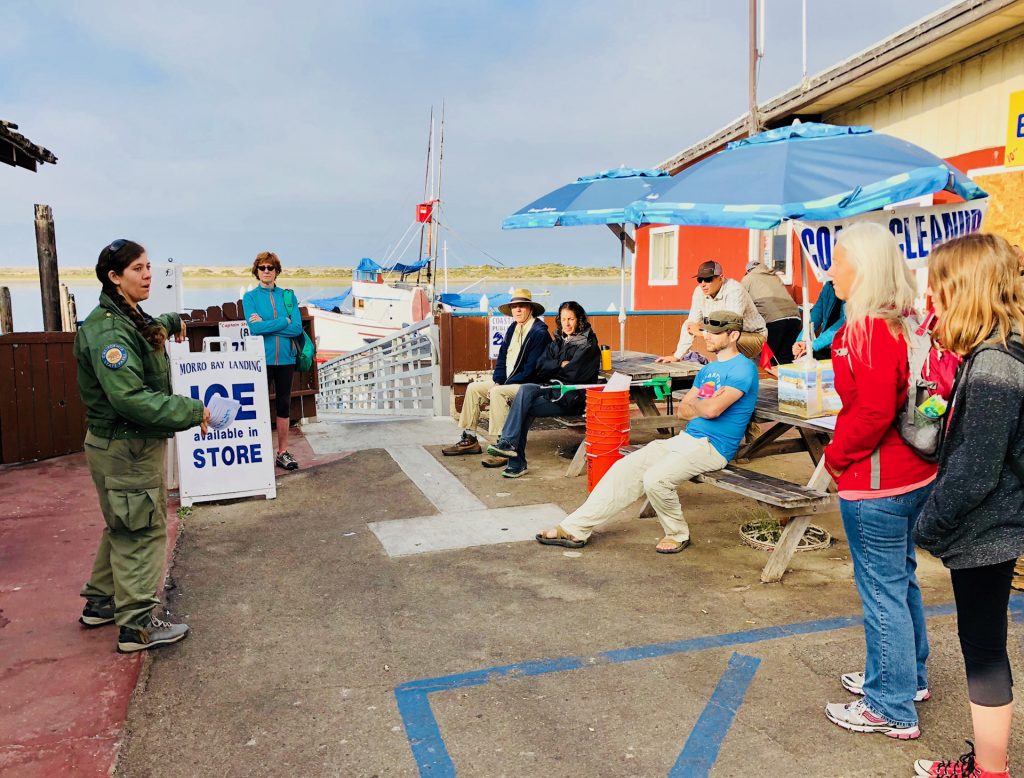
(468, 444)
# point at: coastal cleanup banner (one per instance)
(917, 230)
(237, 460)
(496, 328)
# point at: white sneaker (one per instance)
(858, 717)
(854, 684)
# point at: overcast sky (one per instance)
(211, 131)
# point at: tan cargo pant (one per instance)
(500, 397)
(655, 470)
(129, 564)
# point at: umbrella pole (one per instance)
(622, 289)
(806, 306)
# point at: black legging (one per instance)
(982, 596)
(281, 377)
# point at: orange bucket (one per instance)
(607, 432)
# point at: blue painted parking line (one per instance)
(701, 749)
(424, 734)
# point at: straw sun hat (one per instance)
(522, 296)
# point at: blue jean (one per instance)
(881, 536)
(530, 403)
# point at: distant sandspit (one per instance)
(543, 272)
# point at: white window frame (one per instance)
(674, 242)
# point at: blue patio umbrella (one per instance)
(598, 199)
(811, 172)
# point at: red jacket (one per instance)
(866, 447)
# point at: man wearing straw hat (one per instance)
(524, 343)
(718, 409)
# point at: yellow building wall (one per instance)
(956, 110)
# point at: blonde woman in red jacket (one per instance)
(882, 482)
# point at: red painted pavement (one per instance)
(64, 691)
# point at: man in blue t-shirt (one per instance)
(718, 409)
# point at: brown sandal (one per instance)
(679, 546)
(562, 538)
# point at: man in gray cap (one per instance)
(718, 409)
(715, 292)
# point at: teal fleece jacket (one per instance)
(276, 328)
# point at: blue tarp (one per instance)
(597, 199)
(367, 265)
(813, 172)
(471, 300)
(332, 303)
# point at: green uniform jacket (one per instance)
(124, 383)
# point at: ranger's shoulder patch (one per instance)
(114, 355)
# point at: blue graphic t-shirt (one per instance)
(726, 432)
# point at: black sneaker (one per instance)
(514, 472)
(96, 613)
(287, 461)
(158, 633)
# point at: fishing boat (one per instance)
(372, 308)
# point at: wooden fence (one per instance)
(41, 415)
(463, 338)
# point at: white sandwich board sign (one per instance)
(238, 460)
(497, 326)
(235, 332)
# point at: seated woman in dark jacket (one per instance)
(572, 358)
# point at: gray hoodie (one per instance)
(975, 514)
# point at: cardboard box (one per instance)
(807, 389)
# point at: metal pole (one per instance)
(49, 279)
(803, 22)
(622, 289)
(752, 72)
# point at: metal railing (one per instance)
(393, 376)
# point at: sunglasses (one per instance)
(117, 245)
(718, 323)
(265, 268)
(705, 279)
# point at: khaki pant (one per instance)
(500, 397)
(655, 470)
(129, 564)
(750, 345)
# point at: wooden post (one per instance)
(46, 250)
(6, 314)
(64, 302)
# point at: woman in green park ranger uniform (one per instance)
(125, 383)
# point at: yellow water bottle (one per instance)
(606, 358)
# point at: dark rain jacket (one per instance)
(124, 383)
(525, 368)
(584, 363)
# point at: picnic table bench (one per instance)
(792, 504)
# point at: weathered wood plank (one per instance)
(780, 557)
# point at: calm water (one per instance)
(592, 295)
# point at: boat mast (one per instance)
(437, 196)
(427, 182)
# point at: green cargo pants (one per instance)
(129, 478)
